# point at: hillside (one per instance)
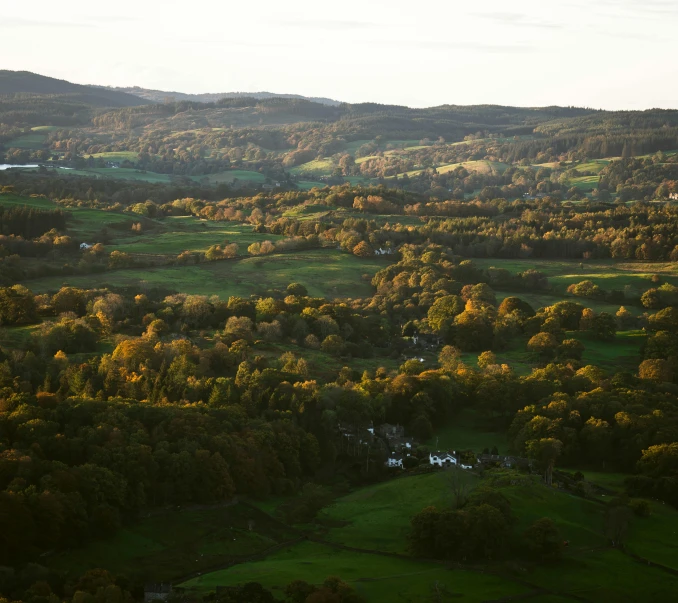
(161, 96)
(25, 82)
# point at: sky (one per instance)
(610, 54)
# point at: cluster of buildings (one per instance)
(398, 447)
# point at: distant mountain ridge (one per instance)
(161, 96)
(26, 82)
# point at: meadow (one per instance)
(468, 431)
(378, 578)
(187, 233)
(324, 272)
(373, 523)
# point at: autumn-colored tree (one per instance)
(363, 250)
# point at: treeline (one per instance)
(29, 222)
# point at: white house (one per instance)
(395, 460)
(85, 246)
(442, 459)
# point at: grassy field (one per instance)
(33, 141)
(231, 175)
(378, 517)
(175, 543)
(325, 273)
(317, 167)
(307, 185)
(607, 576)
(117, 156)
(187, 233)
(116, 173)
(631, 277)
(621, 353)
(377, 578)
(329, 366)
(83, 222)
(580, 520)
(467, 431)
(480, 166)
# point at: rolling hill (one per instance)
(161, 96)
(33, 84)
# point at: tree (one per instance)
(441, 314)
(459, 486)
(546, 451)
(449, 358)
(604, 326)
(297, 289)
(571, 349)
(617, 518)
(544, 345)
(363, 250)
(543, 540)
(332, 344)
(486, 359)
(474, 330)
(515, 304)
(656, 369)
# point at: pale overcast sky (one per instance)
(612, 54)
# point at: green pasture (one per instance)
(308, 212)
(623, 352)
(656, 537)
(606, 576)
(307, 185)
(329, 366)
(33, 141)
(116, 173)
(171, 544)
(324, 272)
(229, 176)
(467, 431)
(585, 183)
(352, 146)
(632, 277)
(37, 202)
(17, 336)
(580, 520)
(84, 222)
(481, 166)
(187, 233)
(117, 156)
(317, 167)
(360, 160)
(378, 517)
(377, 578)
(595, 165)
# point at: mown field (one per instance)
(324, 272)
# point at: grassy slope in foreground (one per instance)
(378, 578)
